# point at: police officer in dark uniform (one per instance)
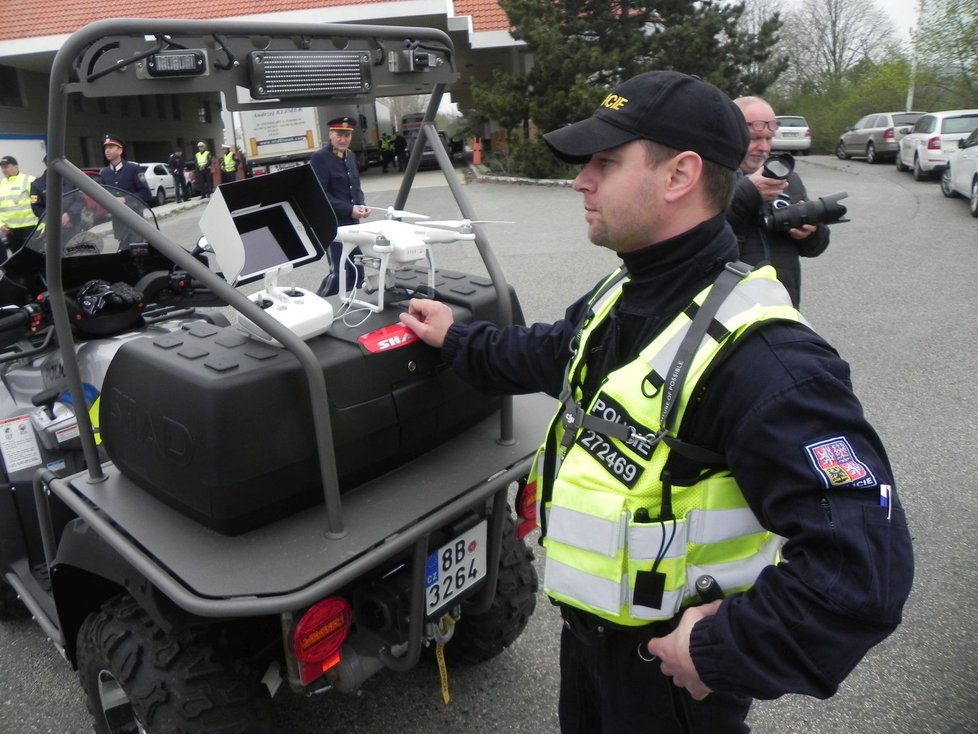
(126, 176)
(72, 206)
(772, 417)
(178, 167)
(336, 168)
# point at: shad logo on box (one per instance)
(388, 338)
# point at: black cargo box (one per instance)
(218, 425)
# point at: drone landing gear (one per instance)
(379, 260)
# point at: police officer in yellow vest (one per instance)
(229, 163)
(720, 520)
(17, 219)
(204, 176)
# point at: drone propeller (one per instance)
(463, 223)
(392, 213)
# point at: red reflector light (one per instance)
(934, 143)
(318, 636)
(526, 510)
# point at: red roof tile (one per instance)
(32, 18)
(486, 14)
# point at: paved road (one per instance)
(895, 293)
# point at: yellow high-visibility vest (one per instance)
(613, 549)
(15, 201)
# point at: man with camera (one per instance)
(758, 194)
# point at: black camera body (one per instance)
(781, 215)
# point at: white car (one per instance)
(960, 177)
(793, 134)
(159, 177)
(934, 137)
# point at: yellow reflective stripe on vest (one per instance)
(596, 550)
(738, 575)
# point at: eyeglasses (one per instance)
(760, 126)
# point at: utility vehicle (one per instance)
(248, 503)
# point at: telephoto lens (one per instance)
(825, 209)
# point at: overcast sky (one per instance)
(903, 13)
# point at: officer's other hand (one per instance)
(800, 233)
(769, 188)
(428, 319)
(673, 652)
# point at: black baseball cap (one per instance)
(8, 160)
(667, 107)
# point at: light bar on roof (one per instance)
(301, 73)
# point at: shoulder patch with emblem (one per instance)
(837, 465)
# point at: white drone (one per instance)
(392, 243)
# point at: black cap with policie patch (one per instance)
(667, 107)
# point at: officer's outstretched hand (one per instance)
(428, 319)
(673, 652)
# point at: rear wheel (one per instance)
(919, 174)
(840, 151)
(480, 637)
(946, 188)
(871, 154)
(973, 199)
(160, 196)
(140, 679)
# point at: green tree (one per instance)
(946, 44)
(868, 86)
(580, 49)
(825, 39)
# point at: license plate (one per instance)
(789, 135)
(456, 566)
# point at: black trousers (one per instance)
(354, 274)
(182, 187)
(206, 182)
(606, 688)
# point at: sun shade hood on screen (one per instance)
(264, 222)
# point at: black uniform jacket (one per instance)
(341, 182)
(758, 245)
(781, 409)
(129, 178)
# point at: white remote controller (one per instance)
(301, 311)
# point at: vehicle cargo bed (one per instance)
(292, 561)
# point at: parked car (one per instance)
(876, 136)
(960, 176)
(160, 181)
(926, 148)
(793, 135)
